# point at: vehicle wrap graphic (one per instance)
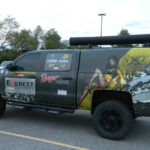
(130, 72)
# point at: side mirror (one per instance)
(11, 67)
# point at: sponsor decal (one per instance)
(20, 86)
(46, 78)
(51, 65)
(62, 92)
(52, 61)
(56, 68)
(63, 61)
(63, 65)
(52, 56)
(66, 56)
(20, 75)
(62, 82)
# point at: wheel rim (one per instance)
(111, 121)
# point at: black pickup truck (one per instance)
(113, 83)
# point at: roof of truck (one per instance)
(88, 50)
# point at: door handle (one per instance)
(67, 78)
(31, 76)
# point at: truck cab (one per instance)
(45, 78)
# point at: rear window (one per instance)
(58, 62)
(98, 59)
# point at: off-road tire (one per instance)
(2, 106)
(112, 120)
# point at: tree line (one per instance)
(13, 38)
(10, 55)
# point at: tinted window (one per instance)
(58, 62)
(29, 62)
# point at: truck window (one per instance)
(29, 62)
(58, 62)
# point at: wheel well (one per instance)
(101, 96)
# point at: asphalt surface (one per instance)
(39, 130)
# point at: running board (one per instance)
(19, 107)
(56, 110)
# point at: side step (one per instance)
(19, 107)
(54, 110)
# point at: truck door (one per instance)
(57, 81)
(20, 84)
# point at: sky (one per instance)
(79, 18)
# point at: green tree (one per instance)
(38, 34)
(64, 44)
(7, 26)
(52, 39)
(23, 40)
(124, 32)
(14, 40)
(9, 55)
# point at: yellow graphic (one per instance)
(23, 72)
(86, 104)
(10, 88)
(134, 61)
(108, 77)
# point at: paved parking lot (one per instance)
(37, 129)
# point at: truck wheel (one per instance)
(112, 120)
(2, 106)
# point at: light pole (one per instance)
(101, 21)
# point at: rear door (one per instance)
(57, 81)
(20, 84)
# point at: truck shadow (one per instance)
(140, 131)
(80, 121)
